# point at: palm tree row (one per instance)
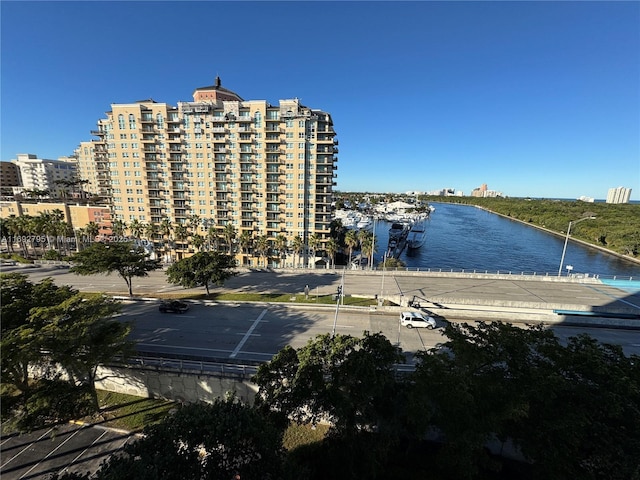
(46, 231)
(223, 238)
(49, 231)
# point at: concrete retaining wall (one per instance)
(180, 387)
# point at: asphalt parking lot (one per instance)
(62, 448)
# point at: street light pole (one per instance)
(566, 240)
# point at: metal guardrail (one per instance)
(211, 366)
(469, 271)
(183, 365)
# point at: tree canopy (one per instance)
(47, 330)
(124, 258)
(201, 269)
(341, 379)
(201, 441)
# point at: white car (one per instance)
(416, 320)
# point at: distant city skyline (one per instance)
(534, 99)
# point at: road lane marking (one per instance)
(248, 334)
(26, 448)
(49, 454)
(83, 452)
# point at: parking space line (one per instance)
(83, 452)
(248, 334)
(26, 448)
(50, 453)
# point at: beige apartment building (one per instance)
(266, 170)
(76, 215)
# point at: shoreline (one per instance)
(562, 235)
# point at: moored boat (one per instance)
(417, 235)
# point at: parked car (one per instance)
(416, 320)
(174, 306)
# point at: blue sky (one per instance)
(536, 99)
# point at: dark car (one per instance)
(174, 306)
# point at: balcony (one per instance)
(146, 119)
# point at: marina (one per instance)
(465, 238)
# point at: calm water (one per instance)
(461, 237)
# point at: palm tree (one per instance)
(262, 247)
(5, 233)
(332, 248)
(136, 228)
(297, 246)
(150, 230)
(197, 241)
(20, 228)
(92, 229)
(281, 244)
(165, 230)
(212, 237)
(42, 229)
(64, 231)
(368, 248)
(364, 236)
(181, 233)
(229, 234)
(351, 241)
(245, 240)
(194, 223)
(314, 244)
(118, 227)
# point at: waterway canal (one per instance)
(462, 237)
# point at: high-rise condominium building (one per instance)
(219, 161)
(44, 175)
(619, 195)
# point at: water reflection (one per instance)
(462, 237)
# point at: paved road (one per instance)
(243, 332)
(63, 448)
(231, 332)
(452, 290)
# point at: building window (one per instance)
(121, 121)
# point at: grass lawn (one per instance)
(128, 412)
(131, 413)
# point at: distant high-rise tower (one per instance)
(214, 163)
(619, 195)
(44, 175)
